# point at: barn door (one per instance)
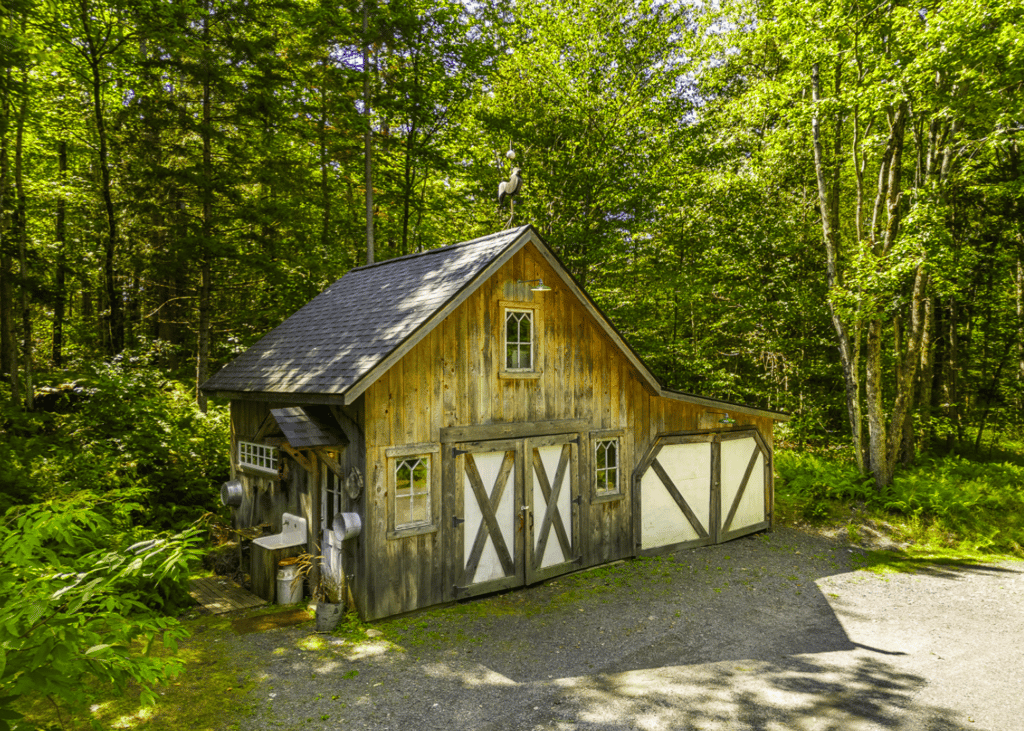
(675, 494)
(698, 489)
(489, 481)
(744, 466)
(553, 496)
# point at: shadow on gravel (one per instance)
(941, 567)
(735, 636)
(796, 692)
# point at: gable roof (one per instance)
(337, 345)
(341, 334)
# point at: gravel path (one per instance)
(768, 632)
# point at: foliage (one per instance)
(121, 426)
(972, 504)
(82, 609)
(205, 165)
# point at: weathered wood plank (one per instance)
(511, 430)
(219, 595)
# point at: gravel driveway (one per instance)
(776, 631)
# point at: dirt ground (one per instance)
(777, 631)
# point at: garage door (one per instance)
(698, 489)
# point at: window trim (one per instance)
(534, 371)
(268, 452)
(608, 435)
(396, 455)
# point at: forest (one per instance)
(769, 200)
(813, 206)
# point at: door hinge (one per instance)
(457, 521)
(457, 452)
(578, 499)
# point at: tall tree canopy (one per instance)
(814, 205)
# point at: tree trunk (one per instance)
(877, 456)
(325, 192)
(59, 294)
(828, 205)
(927, 372)
(881, 450)
(115, 320)
(367, 134)
(203, 345)
(21, 234)
(407, 188)
(1020, 311)
(8, 344)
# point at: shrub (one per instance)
(948, 500)
(81, 612)
(130, 428)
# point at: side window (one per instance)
(412, 492)
(519, 340)
(606, 466)
(259, 457)
(331, 496)
(414, 484)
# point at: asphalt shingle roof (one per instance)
(342, 333)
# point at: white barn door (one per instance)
(698, 489)
(489, 476)
(675, 495)
(553, 491)
(744, 498)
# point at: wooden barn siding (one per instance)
(300, 495)
(451, 379)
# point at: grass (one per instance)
(212, 690)
(942, 509)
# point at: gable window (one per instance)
(519, 340)
(517, 347)
(258, 457)
(412, 492)
(606, 465)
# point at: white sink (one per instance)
(293, 533)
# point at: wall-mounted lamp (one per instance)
(539, 287)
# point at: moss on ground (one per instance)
(211, 694)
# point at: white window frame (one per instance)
(530, 315)
(430, 455)
(416, 489)
(617, 469)
(597, 437)
(259, 457)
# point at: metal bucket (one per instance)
(231, 493)
(347, 525)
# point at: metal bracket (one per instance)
(457, 521)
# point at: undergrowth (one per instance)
(941, 503)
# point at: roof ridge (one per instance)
(519, 230)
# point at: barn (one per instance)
(465, 420)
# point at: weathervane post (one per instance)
(510, 188)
